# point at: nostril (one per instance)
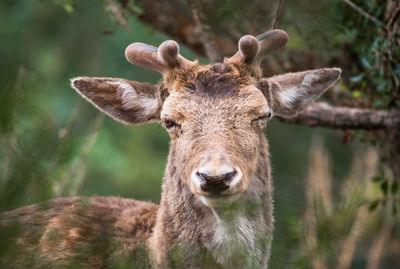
(220, 178)
(215, 184)
(227, 177)
(203, 176)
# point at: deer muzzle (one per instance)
(216, 177)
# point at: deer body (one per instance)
(97, 232)
(192, 235)
(216, 207)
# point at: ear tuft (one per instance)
(334, 72)
(77, 82)
(293, 92)
(324, 76)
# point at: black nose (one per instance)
(215, 184)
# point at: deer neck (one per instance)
(184, 219)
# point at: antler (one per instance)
(166, 57)
(162, 59)
(252, 49)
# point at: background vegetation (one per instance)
(336, 197)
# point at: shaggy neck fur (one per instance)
(190, 234)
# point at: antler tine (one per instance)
(143, 55)
(168, 53)
(248, 50)
(271, 41)
(162, 59)
(252, 49)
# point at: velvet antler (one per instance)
(166, 57)
(162, 59)
(252, 49)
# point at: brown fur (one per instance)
(95, 232)
(216, 116)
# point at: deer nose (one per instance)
(216, 175)
(215, 184)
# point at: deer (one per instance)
(216, 208)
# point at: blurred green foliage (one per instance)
(378, 57)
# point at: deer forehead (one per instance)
(219, 87)
(214, 78)
(244, 102)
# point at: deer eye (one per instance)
(263, 118)
(170, 124)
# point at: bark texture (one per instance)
(324, 115)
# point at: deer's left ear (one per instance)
(291, 93)
(127, 101)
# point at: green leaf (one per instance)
(377, 41)
(378, 104)
(381, 86)
(357, 78)
(365, 63)
(384, 187)
(357, 93)
(347, 36)
(397, 70)
(69, 7)
(395, 187)
(372, 206)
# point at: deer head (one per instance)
(215, 114)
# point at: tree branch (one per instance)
(324, 115)
(206, 35)
(177, 21)
(277, 15)
(362, 12)
(119, 18)
(174, 20)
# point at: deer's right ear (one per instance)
(127, 101)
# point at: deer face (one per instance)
(214, 114)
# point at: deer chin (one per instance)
(221, 200)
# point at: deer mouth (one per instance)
(219, 200)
